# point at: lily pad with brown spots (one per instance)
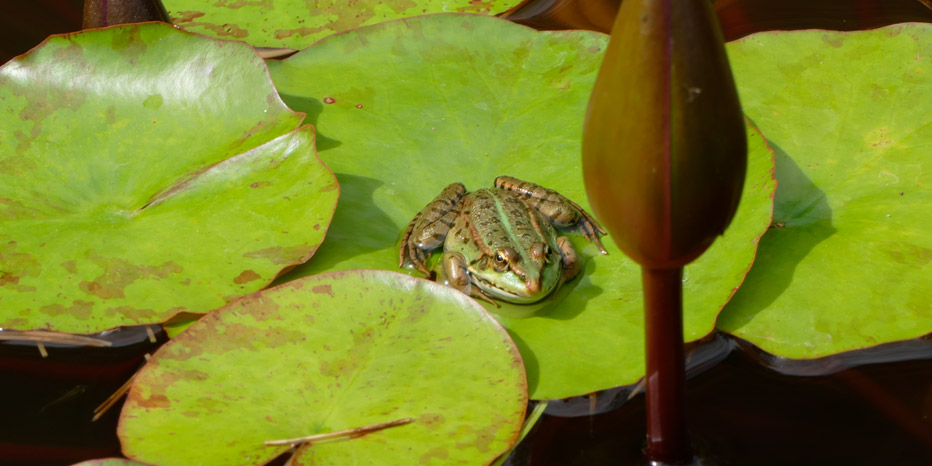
(298, 23)
(328, 353)
(147, 171)
(466, 98)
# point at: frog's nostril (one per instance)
(533, 286)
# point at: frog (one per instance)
(500, 243)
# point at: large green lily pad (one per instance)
(146, 171)
(849, 265)
(450, 98)
(327, 353)
(299, 23)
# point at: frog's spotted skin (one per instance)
(499, 242)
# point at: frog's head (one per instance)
(517, 278)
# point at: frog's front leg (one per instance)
(570, 260)
(456, 274)
(429, 227)
(561, 211)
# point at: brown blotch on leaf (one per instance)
(136, 313)
(118, 274)
(323, 289)
(80, 310)
(70, 266)
(16, 265)
(246, 277)
(223, 30)
(187, 16)
(329, 100)
(485, 436)
(434, 453)
(432, 421)
(8, 278)
(154, 402)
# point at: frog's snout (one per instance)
(533, 286)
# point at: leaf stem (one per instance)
(348, 433)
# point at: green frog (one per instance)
(500, 243)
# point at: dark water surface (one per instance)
(742, 413)
(737, 18)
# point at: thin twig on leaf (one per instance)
(348, 433)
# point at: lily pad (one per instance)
(848, 265)
(298, 23)
(448, 98)
(147, 171)
(110, 462)
(327, 353)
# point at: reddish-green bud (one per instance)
(664, 148)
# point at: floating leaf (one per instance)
(848, 264)
(110, 462)
(298, 23)
(449, 98)
(145, 171)
(327, 353)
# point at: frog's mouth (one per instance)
(517, 292)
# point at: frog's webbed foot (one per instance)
(456, 275)
(561, 211)
(429, 228)
(410, 254)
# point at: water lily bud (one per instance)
(664, 148)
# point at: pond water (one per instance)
(741, 409)
(743, 413)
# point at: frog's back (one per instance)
(497, 219)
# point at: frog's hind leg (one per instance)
(561, 211)
(429, 228)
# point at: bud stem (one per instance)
(667, 438)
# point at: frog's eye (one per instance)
(501, 264)
(504, 258)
